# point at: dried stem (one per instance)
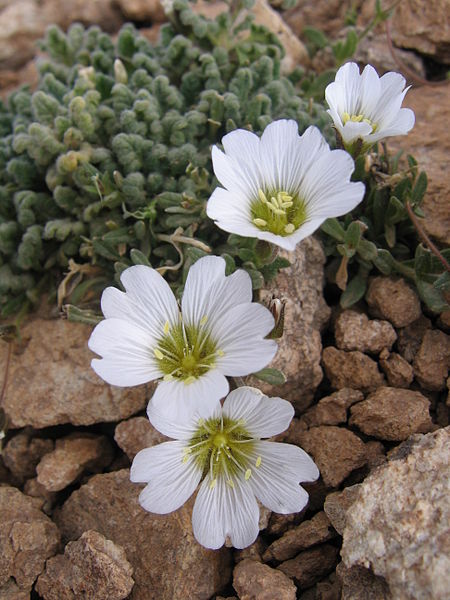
(6, 372)
(424, 237)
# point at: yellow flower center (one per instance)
(358, 119)
(278, 212)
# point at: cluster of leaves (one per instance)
(108, 163)
(380, 235)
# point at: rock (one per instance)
(52, 382)
(254, 581)
(168, 563)
(392, 414)
(432, 361)
(253, 552)
(92, 568)
(278, 523)
(23, 452)
(375, 454)
(354, 331)
(336, 451)
(135, 434)
(71, 457)
(311, 565)
(47, 499)
(308, 533)
(23, 22)
(299, 350)
(423, 25)
(11, 591)
(359, 583)
(27, 538)
(264, 14)
(410, 338)
(332, 409)
(398, 371)
(399, 524)
(142, 10)
(430, 145)
(392, 299)
(351, 370)
(327, 15)
(373, 50)
(337, 504)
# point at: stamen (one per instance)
(220, 353)
(189, 380)
(166, 327)
(203, 320)
(230, 483)
(168, 377)
(248, 474)
(213, 483)
(260, 222)
(262, 196)
(289, 228)
(185, 458)
(159, 355)
(258, 462)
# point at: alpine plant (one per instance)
(217, 332)
(282, 186)
(221, 448)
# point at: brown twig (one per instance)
(424, 237)
(6, 372)
(406, 70)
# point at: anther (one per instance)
(213, 483)
(260, 222)
(258, 462)
(189, 380)
(248, 474)
(220, 353)
(289, 228)
(166, 327)
(262, 196)
(159, 355)
(203, 320)
(168, 377)
(185, 458)
(230, 483)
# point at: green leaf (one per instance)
(419, 188)
(367, 250)
(272, 376)
(432, 297)
(354, 291)
(353, 235)
(384, 262)
(257, 278)
(442, 283)
(139, 258)
(315, 36)
(334, 229)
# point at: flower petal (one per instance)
(222, 511)
(275, 481)
(148, 302)
(263, 416)
(240, 336)
(126, 350)
(179, 403)
(208, 293)
(172, 478)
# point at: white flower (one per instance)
(219, 332)
(280, 187)
(223, 448)
(366, 106)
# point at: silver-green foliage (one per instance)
(108, 156)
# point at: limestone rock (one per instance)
(309, 533)
(375, 454)
(52, 382)
(23, 452)
(392, 414)
(254, 551)
(399, 524)
(327, 15)
(359, 583)
(410, 338)
(351, 370)
(336, 451)
(168, 563)
(11, 591)
(354, 331)
(398, 371)
(299, 350)
(332, 409)
(47, 499)
(92, 568)
(392, 299)
(432, 362)
(71, 457)
(423, 25)
(337, 504)
(429, 143)
(135, 434)
(27, 538)
(255, 581)
(311, 565)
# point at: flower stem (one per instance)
(424, 237)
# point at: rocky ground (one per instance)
(370, 388)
